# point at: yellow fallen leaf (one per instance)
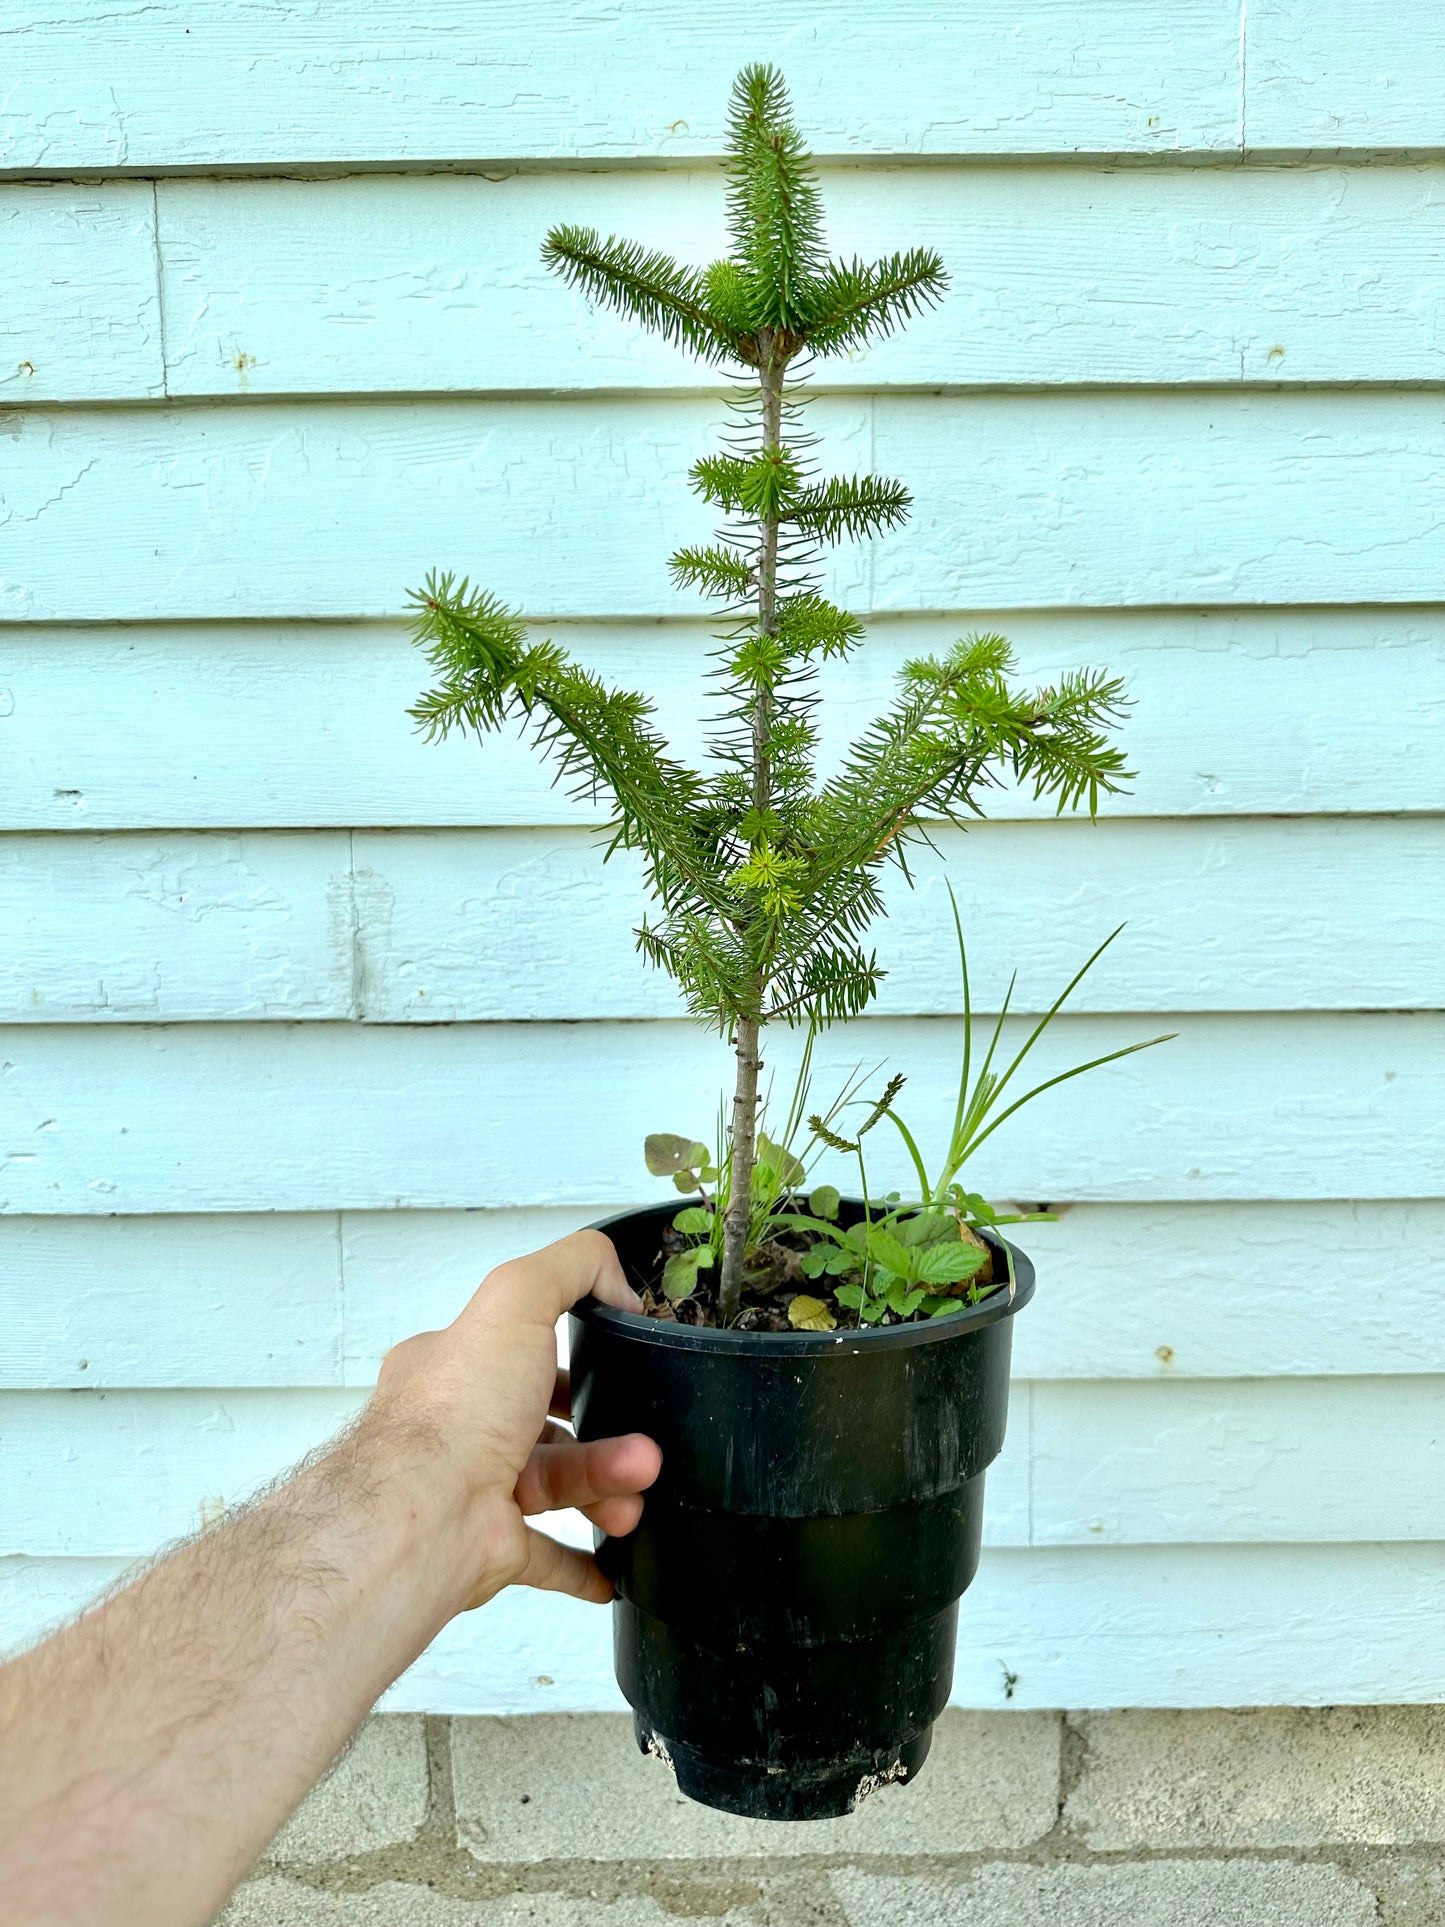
(807, 1314)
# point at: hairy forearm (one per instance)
(150, 1751)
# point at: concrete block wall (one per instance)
(1323, 1817)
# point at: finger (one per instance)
(615, 1517)
(552, 1280)
(561, 1406)
(554, 1568)
(581, 1475)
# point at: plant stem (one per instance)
(745, 1093)
(740, 1189)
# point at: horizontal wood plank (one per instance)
(1238, 916)
(570, 507)
(163, 727)
(1135, 1462)
(1334, 76)
(200, 1117)
(1233, 1290)
(1251, 1460)
(379, 283)
(317, 1299)
(395, 81)
(252, 1301)
(1098, 1626)
(81, 319)
(120, 928)
(433, 926)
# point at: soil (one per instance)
(772, 1279)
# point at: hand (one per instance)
(482, 1390)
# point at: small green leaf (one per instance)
(696, 1218)
(871, 1312)
(884, 1249)
(926, 1228)
(813, 1263)
(949, 1264)
(807, 1314)
(839, 1262)
(824, 1202)
(667, 1153)
(941, 1307)
(685, 1182)
(853, 1296)
(699, 1156)
(679, 1274)
(909, 1303)
(977, 1208)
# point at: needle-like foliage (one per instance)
(766, 878)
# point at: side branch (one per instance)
(598, 736)
(957, 724)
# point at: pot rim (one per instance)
(705, 1338)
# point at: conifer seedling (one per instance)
(766, 874)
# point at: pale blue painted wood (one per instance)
(301, 725)
(1258, 914)
(334, 509)
(383, 283)
(188, 1301)
(470, 926)
(395, 80)
(139, 1468)
(323, 1116)
(314, 1299)
(1262, 1460)
(143, 928)
(81, 318)
(1322, 77)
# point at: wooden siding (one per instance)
(261, 367)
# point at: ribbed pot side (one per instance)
(786, 1611)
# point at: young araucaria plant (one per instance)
(767, 877)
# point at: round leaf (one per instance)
(824, 1202)
(695, 1218)
(807, 1314)
(679, 1274)
(667, 1153)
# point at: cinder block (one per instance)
(575, 1787)
(375, 1795)
(1266, 1777)
(283, 1903)
(1156, 1893)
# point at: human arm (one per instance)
(150, 1751)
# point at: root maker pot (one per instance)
(786, 1611)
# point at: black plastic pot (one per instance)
(786, 1611)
